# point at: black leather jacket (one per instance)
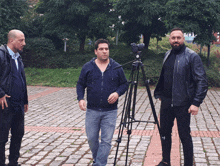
(6, 73)
(189, 79)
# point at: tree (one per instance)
(141, 17)
(76, 19)
(202, 17)
(32, 24)
(11, 12)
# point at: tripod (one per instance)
(128, 112)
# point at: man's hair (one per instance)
(177, 29)
(100, 41)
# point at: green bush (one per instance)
(42, 47)
(70, 59)
(213, 78)
(122, 54)
(213, 73)
(38, 52)
(161, 46)
(41, 53)
(153, 66)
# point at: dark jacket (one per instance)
(100, 86)
(189, 79)
(6, 73)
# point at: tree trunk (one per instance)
(82, 46)
(201, 49)
(117, 37)
(146, 39)
(82, 39)
(157, 45)
(208, 54)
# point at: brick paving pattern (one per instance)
(55, 132)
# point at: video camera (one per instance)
(137, 47)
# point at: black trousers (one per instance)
(11, 118)
(167, 116)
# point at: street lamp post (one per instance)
(65, 40)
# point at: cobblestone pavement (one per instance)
(55, 132)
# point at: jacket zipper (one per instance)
(178, 66)
(10, 77)
(102, 85)
(173, 78)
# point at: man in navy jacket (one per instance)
(13, 96)
(104, 85)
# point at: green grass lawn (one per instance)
(55, 77)
(52, 77)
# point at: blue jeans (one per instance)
(104, 121)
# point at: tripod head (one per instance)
(137, 48)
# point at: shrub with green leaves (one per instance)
(213, 78)
(41, 53)
(38, 52)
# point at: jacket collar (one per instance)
(111, 61)
(4, 49)
(182, 50)
(110, 64)
(13, 55)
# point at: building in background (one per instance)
(217, 38)
(189, 37)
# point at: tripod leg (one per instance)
(135, 92)
(150, 98)
(121, 128)
(131, 117)
(129, 128)
(125, 114)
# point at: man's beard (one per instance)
(177, 48)
(20, 51)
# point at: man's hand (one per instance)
(82, 105)
(113, 98)
(193, 110)
(3, 101)
(26, 108)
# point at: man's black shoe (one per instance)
(15, 165)
(163, 164)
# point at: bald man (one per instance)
(13, 96)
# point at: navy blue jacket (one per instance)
(6, 68)
(189, 79)
(100, 85)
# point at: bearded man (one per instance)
(182, 86)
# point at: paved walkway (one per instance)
(55, 132)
